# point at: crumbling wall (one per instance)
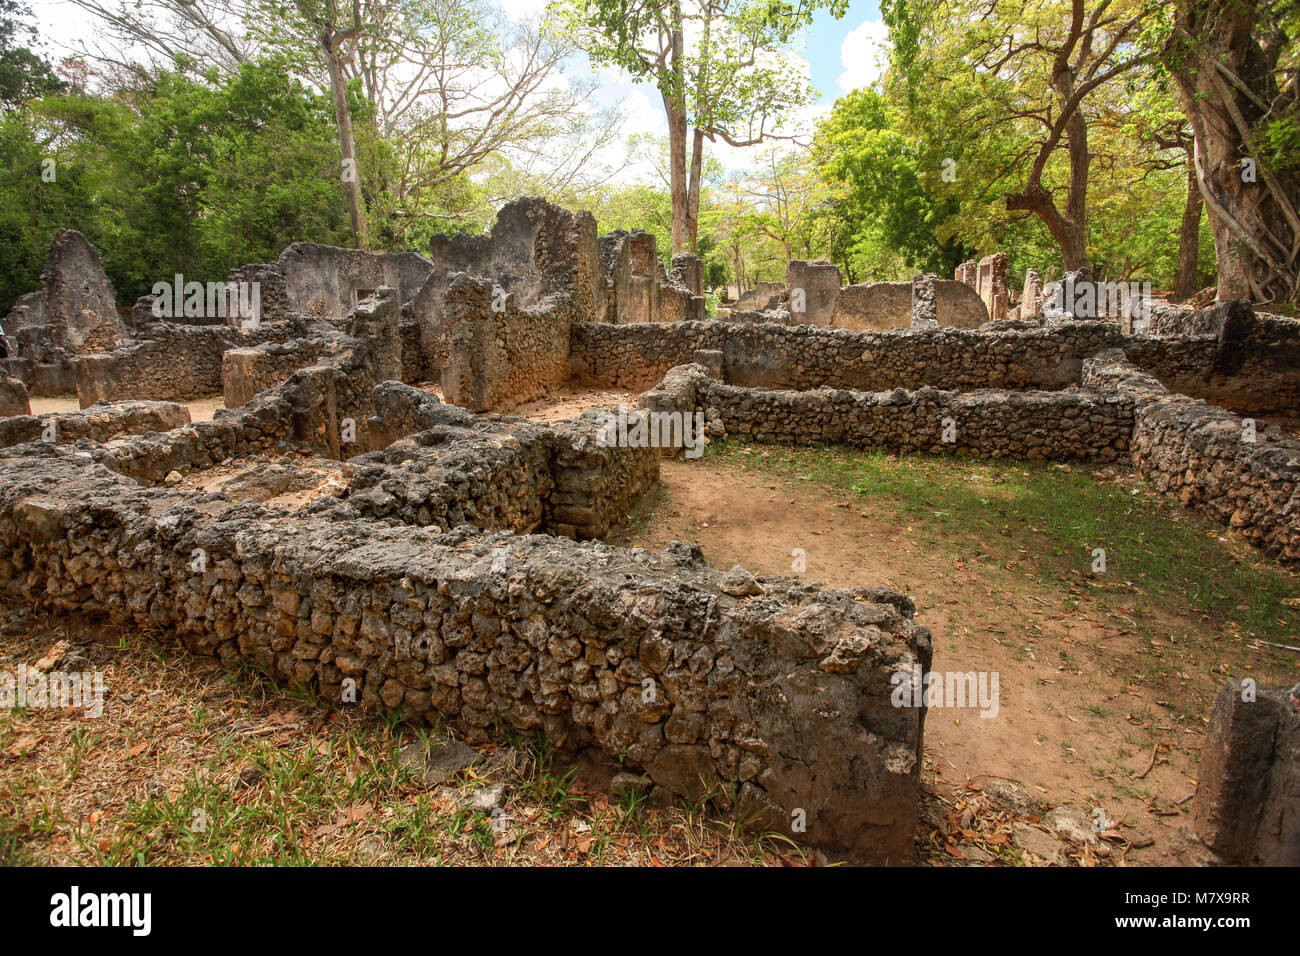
(873, 305)
(776, 690)
(74, 314)
(805, 357)
(1249, 372)
(168, 361)
(501, 357)
(820, 282)
(630, 261)
(1043, 426)
(1243, 474)
(100, 422)
(325, 280)
(246, 372)
(758, 298)
(890, 305)
(545, 257)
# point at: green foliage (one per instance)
(885, 217)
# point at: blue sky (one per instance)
(825, 40)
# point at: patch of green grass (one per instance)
(1046, 520)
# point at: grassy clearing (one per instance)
(1046, 520)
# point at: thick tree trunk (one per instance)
(1189, 240)
(343, 118)
(693, 193)
(1226, 81)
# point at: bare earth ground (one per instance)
(1103, 697)
(1072, 726)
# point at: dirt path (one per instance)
(1071, 725)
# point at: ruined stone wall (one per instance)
(804, 357)
(777, 690)
(500, 474)
(246, 372)
(168, 361)
(1042, 426)
(1205, 456)
(1252, 373)
(100, 422)
(820, 282)
(501, 358)
(325, 280)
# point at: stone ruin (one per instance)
(74, 314)
(454, 567)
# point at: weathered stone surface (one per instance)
(537, 632)
(820, 282)
(13, 397)
(1247, 805)
(80, 306)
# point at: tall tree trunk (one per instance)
(675, 108)
(343, 119)
(1189, 239)
(693, 192)
(1224, 58)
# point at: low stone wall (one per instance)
(780, 692)
(1243, 474)
(805, 357)
(1249, 777)
(1251, 368)
(1042, 426)
(167, 362)
(246, 372)
(495, 474)
(101, 422)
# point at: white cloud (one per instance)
(864, 55)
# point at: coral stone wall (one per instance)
(100, 422)
(1043, 426)
(167, 362)
(778, 691)
(1242, 473)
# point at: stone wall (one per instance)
(889, 305)
(1243, 474)
(776, 690)
(246, 372)
(1043, 426)
(1251, 372)
(806, 357)
(500, 358)
(325, 280)
(100, 422)
(820, 282)
(167, 362)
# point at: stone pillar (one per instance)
(1247, 805)
(820, 284)
(377, 318)
(1031, 299)
(688, 270)
(925, 309)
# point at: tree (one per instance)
(719, 70)
(1235, 67)
(785, 192)
(24, 74)
(1034, 64)
(880, 196)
